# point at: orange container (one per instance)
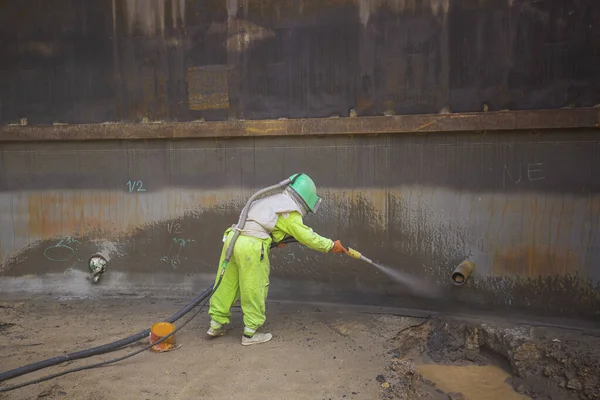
(159, 331)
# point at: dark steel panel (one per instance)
(91, 62)
(557, 161)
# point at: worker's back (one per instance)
(263, 214)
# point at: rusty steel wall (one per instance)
(73, 62)
(523, 206)
(516, 192)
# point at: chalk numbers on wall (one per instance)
(64, 250)
(136, 186)
(174, 228)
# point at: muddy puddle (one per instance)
(444, 359)
(475, 382)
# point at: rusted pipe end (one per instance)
(97, 265)
(462, 272)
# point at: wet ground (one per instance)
(486, 382)
(494, 360)
(318, 352)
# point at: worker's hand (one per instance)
(281, 245)
(338, 248)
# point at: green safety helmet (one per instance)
(306, 189)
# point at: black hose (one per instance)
(100, 364)
(106, 348)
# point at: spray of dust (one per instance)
(413, 284)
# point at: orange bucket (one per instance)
(159, 331)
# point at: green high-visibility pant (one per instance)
(247, 274)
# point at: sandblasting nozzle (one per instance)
(354, 254)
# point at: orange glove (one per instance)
(281, 245)
(338, 248)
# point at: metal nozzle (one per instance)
(354, 254)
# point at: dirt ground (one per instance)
(318, 352)
(315, 353)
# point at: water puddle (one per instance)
(473, 381)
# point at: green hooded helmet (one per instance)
(306, 189)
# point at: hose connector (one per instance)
(223, 268)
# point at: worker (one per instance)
(270, 220)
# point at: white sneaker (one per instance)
(256, 339)
(215, 332)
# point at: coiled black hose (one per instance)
(114, 360)
(105, 348)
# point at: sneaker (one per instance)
(256, 339)
(215, 332)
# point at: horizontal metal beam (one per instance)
(465, 122)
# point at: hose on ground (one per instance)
(103, 363)
(106, 348)
(109, 347)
